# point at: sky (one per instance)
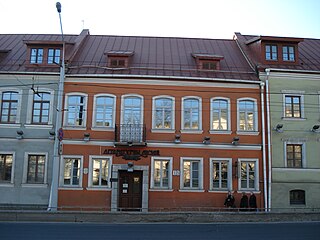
(217, 19)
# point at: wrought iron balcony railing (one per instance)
(130, 134)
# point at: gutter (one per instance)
(263, 148)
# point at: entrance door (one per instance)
(130, 190)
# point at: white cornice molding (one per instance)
(312, 75)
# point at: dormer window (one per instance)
(288, 53)
(44, 53)
(119, 59)
(207, 61)
(54, 55)
(36, 55)
(271, 52)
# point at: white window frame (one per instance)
(170, 160)
(199, 130)
(91, 159)
(292, 93)
(256, 175)
(62, 185)
(94, 126)
(25, 168)
(229, 184)
(168, 130)
(192, 159)
(123, 97)
(84, 118)
(228, 130)
(12, 169)
(19, 92)
(255, 117)
(30, 106)
(303, 148)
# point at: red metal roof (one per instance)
(153, 56)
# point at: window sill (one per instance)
(70, 188)
(191, 190)
(34, 185)
(163, 130)
(220, 132)
(218, 191)
(10, 125)
(106, 129)
(250, 133)
(160, 190)
(44, 126)
(293, 119)
(81, 128)
(6, 185)
(106, 189)
(192, 131)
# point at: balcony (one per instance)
(130, 135)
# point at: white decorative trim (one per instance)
(25, 168)
(95, 109)
(154, 99)
(229, 160)
(12, 169)
(220, 132)
(200, 172)
(163, 130)
(199, 130)
(102, 157)
(249, 133)
(170, 160)
(33, 185)
(228, 112)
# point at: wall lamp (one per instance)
(235, 141)
(86, 137)
(130, 167)
(279, 128)
(206, 140)
(315, 128)
(19, 134)
(177, 138)
(52, 133)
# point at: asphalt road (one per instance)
(220, 231)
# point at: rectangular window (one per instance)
(161, 174)
(100, 172)
(221, 174)
(9, 107)
(271, 52)
(294, 155)
(71, 172)
(209, 65)
(163, 113)
(288, 53)
(104, 111)
(117, 63)
(191, 114)
(76, 111)
(297, 197)
(41, 108)
(293, 106)
(220, 114)
(191, 173)
(6, 167)
(36, 169)
(246, 115)
(248, 175)
(36, 55)
(54, 55)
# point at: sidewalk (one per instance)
(156, 217)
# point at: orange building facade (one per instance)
(160, 144)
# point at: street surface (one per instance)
(220, 231)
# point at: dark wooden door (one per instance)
(130, 190)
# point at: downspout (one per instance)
(263, 147)
(269, 139)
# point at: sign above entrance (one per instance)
(129, 154)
